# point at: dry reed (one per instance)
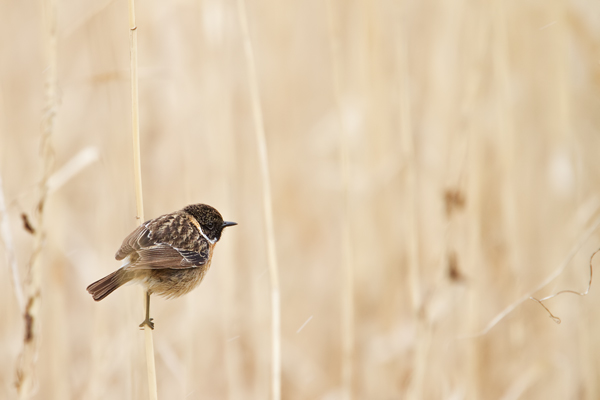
(347, 333)
(263, 156)
(137, 168)
(9, 248)
(26, 380)
(470, 130)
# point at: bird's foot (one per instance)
(147, 322)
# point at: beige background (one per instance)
(472, 131)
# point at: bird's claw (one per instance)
(147, 322)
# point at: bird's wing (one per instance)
(136, 240)
(169, 241)
(165, 256)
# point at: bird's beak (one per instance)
(228, 223)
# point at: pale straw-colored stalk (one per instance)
(137, 168)
(423, 335)
(9, 248)
(32, 286)
(267, 203)
(347, 290)
(556, 273)
(135, 117)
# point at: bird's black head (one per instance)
(210, 220)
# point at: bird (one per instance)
(169, 255)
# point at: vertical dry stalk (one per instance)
(506, 130)
(25, 372)
(424, 334)
(408, 153)
(474, 193)
(151, 367)
(347, 292)
(267, 204)
(137, 168)
(135, 118)
(11, 259)
(474, 256)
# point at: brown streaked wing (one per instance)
(177, 231)
(169, 241)
(141, 236)
(131, 242)
(164, 256)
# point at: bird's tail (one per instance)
(105, 286)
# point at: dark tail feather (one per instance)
(105, 286)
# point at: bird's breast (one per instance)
(172, 283)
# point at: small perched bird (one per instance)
(169, 255)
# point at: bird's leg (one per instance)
(148, 321)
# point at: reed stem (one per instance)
(267, 204)
(32, 286)
(137, 168)
(347, 290)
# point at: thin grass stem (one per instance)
(347, 291)
(32, 286)
(267, 204)
(137, 168)
(11, 259)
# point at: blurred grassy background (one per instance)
(472, 130)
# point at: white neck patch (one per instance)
(197, 225)
(206, 237)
